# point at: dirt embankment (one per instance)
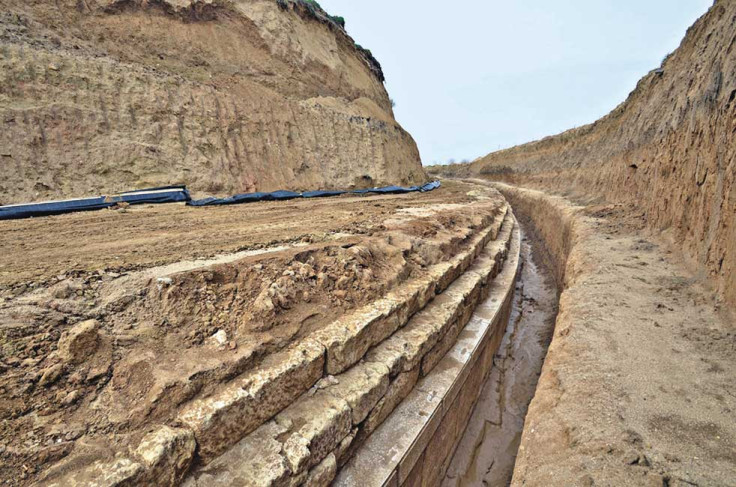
(226, 96)
(668, 150)
(637, 385)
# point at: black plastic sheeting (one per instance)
(288, 195)
(174, 194)
(168, 194)
(246, 198)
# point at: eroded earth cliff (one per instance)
(668, 150)
(225, 96)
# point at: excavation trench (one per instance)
(487, 451)
(477, 414)
(641, 353)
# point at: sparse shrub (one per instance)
(316, 11)
(372, 62)
(338, 20)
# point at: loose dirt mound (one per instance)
(226, 96)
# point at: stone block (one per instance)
(230, 414)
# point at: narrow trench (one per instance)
(487, 452)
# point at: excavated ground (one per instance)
(43, 251)
(138, 318)
(112, 320)
(637, 386)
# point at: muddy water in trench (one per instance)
(487, 451)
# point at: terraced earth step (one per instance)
(309, 440)
(213, 426)
(415, 442)
(242, 405)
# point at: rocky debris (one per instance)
(99, 371)
(164, 282)
(219, 339)
(67, 289)
(71, 398)
(635, 458)
(120, 206)
(50, 375)
(264, 303)
(80, 342)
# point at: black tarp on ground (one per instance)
(169, 194)
(174, 194)
(287, 195)
(246, 198)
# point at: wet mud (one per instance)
(487, 452)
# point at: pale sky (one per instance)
(472, 76)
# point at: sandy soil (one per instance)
(487, 452)
(107, 96)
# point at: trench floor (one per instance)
(487, 452)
